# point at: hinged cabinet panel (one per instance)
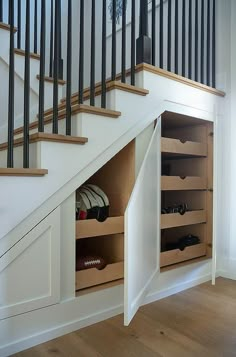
(142, 227)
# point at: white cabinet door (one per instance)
(142, 229)
(30, 270)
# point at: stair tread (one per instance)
(5, 26)
(51, 79)
(109, 86)
(22, 53)
(48, 137)
(75, 109)
(22, 172)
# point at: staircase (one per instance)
(43, 192)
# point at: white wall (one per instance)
(226, 79)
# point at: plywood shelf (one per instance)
(91, 277)
(92, 228)
(175, 183)
(176, 219)
(176, 256)
(175, 147)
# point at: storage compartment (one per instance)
(109, 248)
(186, 184)
(106, 239)
(174, 249)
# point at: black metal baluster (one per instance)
(55, 70)
(68, 69)
(26, 87)
(183, 37)
(60, 60)
(208, 70)
(176, 37)
(144, 43)
(153, 32)
(161, 33)
(1, 11)
(202, 41)
(35, 26)
(81, 53)
(123, 50)
(169, 37)
(214, 44)
(51, 42)
(42, 67)
(104, 53)
(196, 40)
(132, 74)
(92, 64)
(11, 94)
(113, 48)
(19, 24)
(190, 40)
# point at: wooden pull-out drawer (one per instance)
(92, 228)
(91, 277)
(170, 220)
(178, 147)
(176, 256)
(172, 183)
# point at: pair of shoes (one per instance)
(183, 242)
(176, 208)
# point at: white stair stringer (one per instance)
(69, 165)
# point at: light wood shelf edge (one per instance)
(91, 277)
(175, 146)
(176, 255)
(171, 220)
(175, 183)
(93, 228)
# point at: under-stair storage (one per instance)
(186, 189)
(104, 241)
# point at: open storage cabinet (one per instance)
(186, 181)
(136, 240)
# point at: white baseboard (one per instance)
(176, 289)
(58, 331)
(78, 323)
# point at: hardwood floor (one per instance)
(197, 322)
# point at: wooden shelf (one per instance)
(176, 219)
(174, 183)
(177, 147)
(176, 256)
(92, 228)
(91, 277)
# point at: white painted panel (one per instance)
(142, 230)
(30, 270)
(215, 205)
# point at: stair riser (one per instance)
(75, 128)
(18, 157)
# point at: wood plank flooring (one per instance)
(198, 322)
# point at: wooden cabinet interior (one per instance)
(106, 239)
(187, 178)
